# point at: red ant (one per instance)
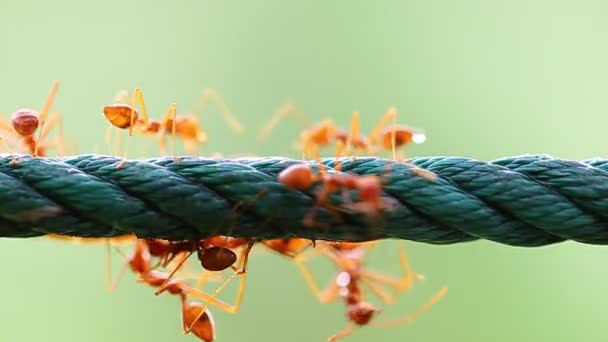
(195, 316)
(185, 126)
(26, 121)
(125, 116)
(215, 254)
(348, 258)
(325, 132)
(301, 177)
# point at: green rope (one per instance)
(530, 200)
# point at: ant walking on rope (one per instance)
(325, 132)
(186, 127)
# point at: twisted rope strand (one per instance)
(530, 200)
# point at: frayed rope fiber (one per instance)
(530, 200)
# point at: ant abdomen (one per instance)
(217, 258)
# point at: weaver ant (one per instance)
(195, 316)
(185, 126)
(326, 132)
(348, 258)
(25, 122)
(301, 177)
(215, 254)
(123, 116)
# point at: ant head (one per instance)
(362, 313)
(204, 326)
(119, 114)
(25, 121)
(298, 177)
(216, 258)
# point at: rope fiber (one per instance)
(530, 200)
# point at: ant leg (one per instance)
(210, 95)
(378, 291)
(326, 296)
(7, 128)
(420, 311)
(406, 283)
(312, 150)
(350, 327)
(112, 284)
(9, 149)
(391, 114)
(286, 110)
(55, 119)
(240, 271)
(171, 116)
(355, 130)
(399, 285)
(46, 108)
(138, 96)
(165, 283)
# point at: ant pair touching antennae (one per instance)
(25, 122)
(186, 127)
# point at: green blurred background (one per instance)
(485, 79)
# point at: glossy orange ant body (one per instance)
(214, 253)
(186, 127)
(195, 316)
(125, 116)
(25, 122)
(369, 188)
(351, 275)
(326, 132)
